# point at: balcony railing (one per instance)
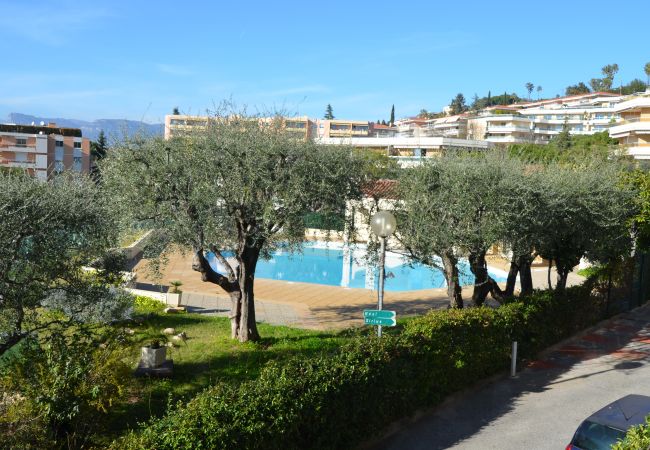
(14, 163)
(506, 128)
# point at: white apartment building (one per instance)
(539, 122)
(633, 131)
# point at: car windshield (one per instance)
(594, 436)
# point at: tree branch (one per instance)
(224, 262)
(201, 264)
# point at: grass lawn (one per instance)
(208, 356)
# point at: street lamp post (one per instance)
(383, 225)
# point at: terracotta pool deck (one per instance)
(303, 305)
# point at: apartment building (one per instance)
(633, 131)
(407, 146)
(582, 114)
(44, 150)
(179, 123)
(449, 126)
(540, 121)
(379, 130)
(175, 124)
(412, 127)
(343, 128)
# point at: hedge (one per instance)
(636, 438)
(338, 399)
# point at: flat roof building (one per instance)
(44, 150)
(633, 131)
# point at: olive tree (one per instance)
(587, 212)
(49, 230)
(451, 207)
(237, 189)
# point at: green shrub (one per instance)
(144, 305)
(55, 393)
(337, 399)
(636, 438)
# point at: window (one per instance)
(58, 166)
(58, 144)
(77, 164)
(20, 157)
(58, 154)
(21, 142)
(595, 435)
(77, 145)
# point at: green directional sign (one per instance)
(377, 317)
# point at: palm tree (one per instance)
(539, 90)
(647, 71)
(176, 285)
(529, 87)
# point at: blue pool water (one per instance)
(330, 265)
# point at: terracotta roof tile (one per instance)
(381, 189)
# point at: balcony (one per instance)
(640, 151)
(557, 121)
(20, 148)
(507, 129)
(629, 127)
(506, 139)
(18, 164)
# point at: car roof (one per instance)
(624, 412)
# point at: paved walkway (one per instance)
(542, 407)
(307, 305)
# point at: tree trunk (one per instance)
(201, 264)
(482, 286)
(247, 264)
(520, 266)
(548, 273)
(449, 262)
(562, 275)
(525, 275)
(512, 278)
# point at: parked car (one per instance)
(605, 427)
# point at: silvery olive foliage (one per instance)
(49, 231)
(241, 185)
(459, 205)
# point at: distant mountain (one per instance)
(113, 128)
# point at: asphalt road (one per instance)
(542, 407)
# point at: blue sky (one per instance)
(137, 59)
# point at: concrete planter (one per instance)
(173, 299)
(153, 357)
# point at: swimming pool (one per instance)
(331, 264)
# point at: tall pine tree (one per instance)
(392, 116)
(329, 112)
